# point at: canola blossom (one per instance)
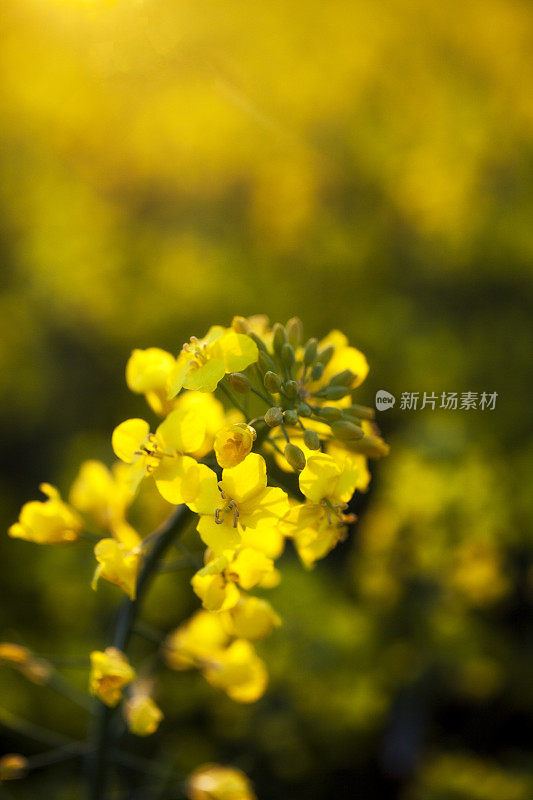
(260, 449)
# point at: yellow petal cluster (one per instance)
(215, 782)
(202, 363)
(233, 443)
(13, 766)
(207, 641)
(148, 372)
(51, 521)
(117, 564)
(110, 673)
(142, 715)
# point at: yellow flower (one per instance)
(233, 443)
(47, 522)
(325, 481)
(37, 670)
(105, 495)
(315, 531)
(251, 618)
(14, 654)
(202, 363)
(117, 564)
(195, 641)
(142, 715)
(110, 673)
(13, 766)
(211, 412)
(162, 453)
(319, 524)
(238, 671)
(148, 372)
(215, 583)
(214, 782)
(241, 500)
(339, 453)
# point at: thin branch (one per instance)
(124, 625)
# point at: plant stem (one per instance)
(123, 629)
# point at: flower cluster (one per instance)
(242, 409)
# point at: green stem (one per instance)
(124, 625)
(232, 399)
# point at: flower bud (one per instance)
(274, 416)
(291, 389)
(325, 355)
(370, 446)
(295, 331)
(233, 443)
(287, 356)
(272, 382)
(280, 337)
(245, 427)
(142, 715)
(334, 392)
(261, 346)
(304, 410)
(344, 378)
(346, 431)
(329, 413)
(290, 417)
(311, 350)
(214, 782)
(294, 456)
(362, 412)
(239, 382)
(13, 766)
(240, 325)
(317, 371)
(265, 363)
(312, 440)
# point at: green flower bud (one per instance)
(295, 457)
(290, 417)
(287, 355)
(329, 413)
(312, 440)
(317, 371)
(291, 389)
(265, 363)
(363, 412)
(295, 331)
(259, 342)
(311, 350)
(344, 378)
(280, 337)
(325, 355)
(370, 446)
(272, 382)
(304, 410)
(333, 392)
(239, 382)
(274, 416)
(346, 431)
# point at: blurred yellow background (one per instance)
(363, 164)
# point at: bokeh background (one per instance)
(363, 164)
